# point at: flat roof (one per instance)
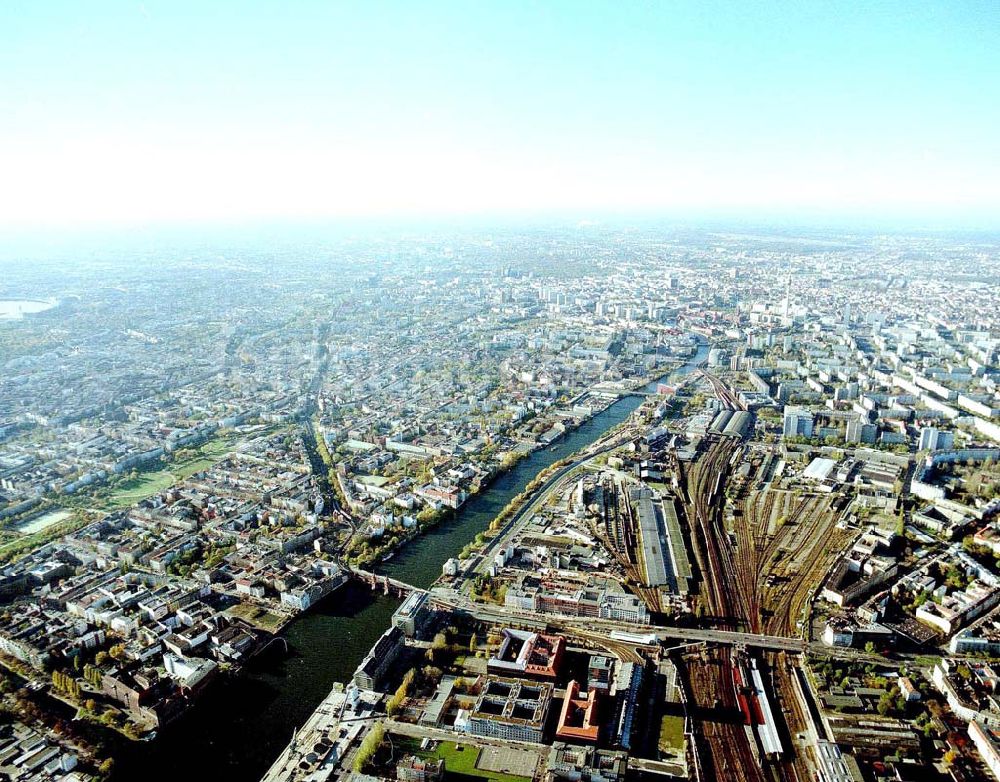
(819, 469)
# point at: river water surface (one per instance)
(241, 724)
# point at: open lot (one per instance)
(671, 733)
(507, 760)
(38, 523)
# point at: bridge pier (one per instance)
(389, 586)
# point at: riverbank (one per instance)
(540, 466)
(242, 723)
(376, 558)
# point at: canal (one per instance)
(241, 724)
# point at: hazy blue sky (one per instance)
(117, 112)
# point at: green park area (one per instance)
(51, 524)
(135, 489)
(64, 514)
(256, 616)
(672, 734)
(128, 489)
(459, 761)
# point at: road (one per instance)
(501, 614)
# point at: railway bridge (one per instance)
(389, 586)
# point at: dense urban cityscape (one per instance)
(575, 502)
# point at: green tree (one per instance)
(395, 703)
(369, 746)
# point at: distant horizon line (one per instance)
(934, 221)
(36, 244)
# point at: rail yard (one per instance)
(639, 556)
(761, 555)
(686, 566)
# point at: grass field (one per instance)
(146, 484)
(459, 761)
(256, 616)
(208, 454)
(373, 480)
(14, 547)
(70, 512)
(672, 733)
(39, 523)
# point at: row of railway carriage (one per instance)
(751, 695)
(755, 705)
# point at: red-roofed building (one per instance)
(531, 655)
(578, 718)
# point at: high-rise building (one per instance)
(716, 357)
(932, 439)
(859, 431)
(798, 422)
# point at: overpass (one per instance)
(663, 635)
(452, 600)
(591, 627)
(500, 614)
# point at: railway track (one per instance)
(626, 652)
(704, 513)
(795, 719)
(718, 732)
(620, 539)
(780, 565)
(717, 728)
(761, 578)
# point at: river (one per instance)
(16, 309)
(241, 724)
